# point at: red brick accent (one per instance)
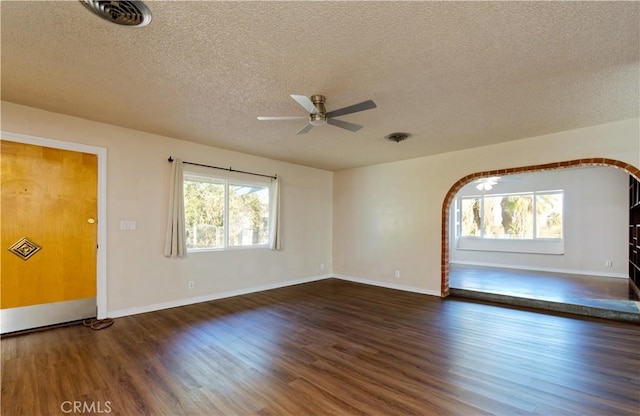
(444, 285)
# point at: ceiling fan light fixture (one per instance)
(318, 119)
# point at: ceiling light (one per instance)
(318, 119)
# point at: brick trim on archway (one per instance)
(444, 284)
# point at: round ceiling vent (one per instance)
(397, 137)
(127, 13)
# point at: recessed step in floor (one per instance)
(618, 310)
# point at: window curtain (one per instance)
(275, 235)
(175, 241)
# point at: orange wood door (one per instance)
(49, 196)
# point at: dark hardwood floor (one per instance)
(560, 287)
(328, 348)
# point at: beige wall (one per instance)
(388, 217)
(364, 223)
(139, 277)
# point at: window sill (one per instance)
(549, 247)
(234, 248)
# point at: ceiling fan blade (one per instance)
(344, 124)
(365, 105)
(495, 179)
(281, 117)
(305, 102)
(305, 129)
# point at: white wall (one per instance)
(595, 223)
(388, 217)
(139, 277)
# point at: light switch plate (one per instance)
(128, 225)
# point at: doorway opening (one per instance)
(472, 272)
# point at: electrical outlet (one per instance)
(608, 263)
(191, 284)
(397, 274)
(321, 266)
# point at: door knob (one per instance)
(91, 220)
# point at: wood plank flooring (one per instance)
(328, 348)
(559, 287)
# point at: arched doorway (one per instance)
(445, 240)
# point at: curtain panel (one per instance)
(275, 236)
(175, 240)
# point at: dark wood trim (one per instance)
(633, 288)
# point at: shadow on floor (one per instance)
(602, 297)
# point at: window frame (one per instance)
(227, 182)
(534, 195)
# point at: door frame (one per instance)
(101, 153)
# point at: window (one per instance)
(470, 217)
(549, 215)
(222, 213)
(524, 216)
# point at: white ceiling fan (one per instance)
(487, 184)
(318, 114)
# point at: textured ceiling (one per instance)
(455, 74)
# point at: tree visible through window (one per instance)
(534, 215)
(549, 215)
(220, 213)
(248, 215)
(470, 217)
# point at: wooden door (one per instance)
(49, 197)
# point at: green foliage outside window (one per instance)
(206, 211)
(512, 216)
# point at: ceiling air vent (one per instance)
(397, 137)
(126, 13)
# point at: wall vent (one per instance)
(397, 137)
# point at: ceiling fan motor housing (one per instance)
(321, 117)
(318, 101)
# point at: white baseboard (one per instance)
(387, 285)
(213, 296)
(542, 269)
